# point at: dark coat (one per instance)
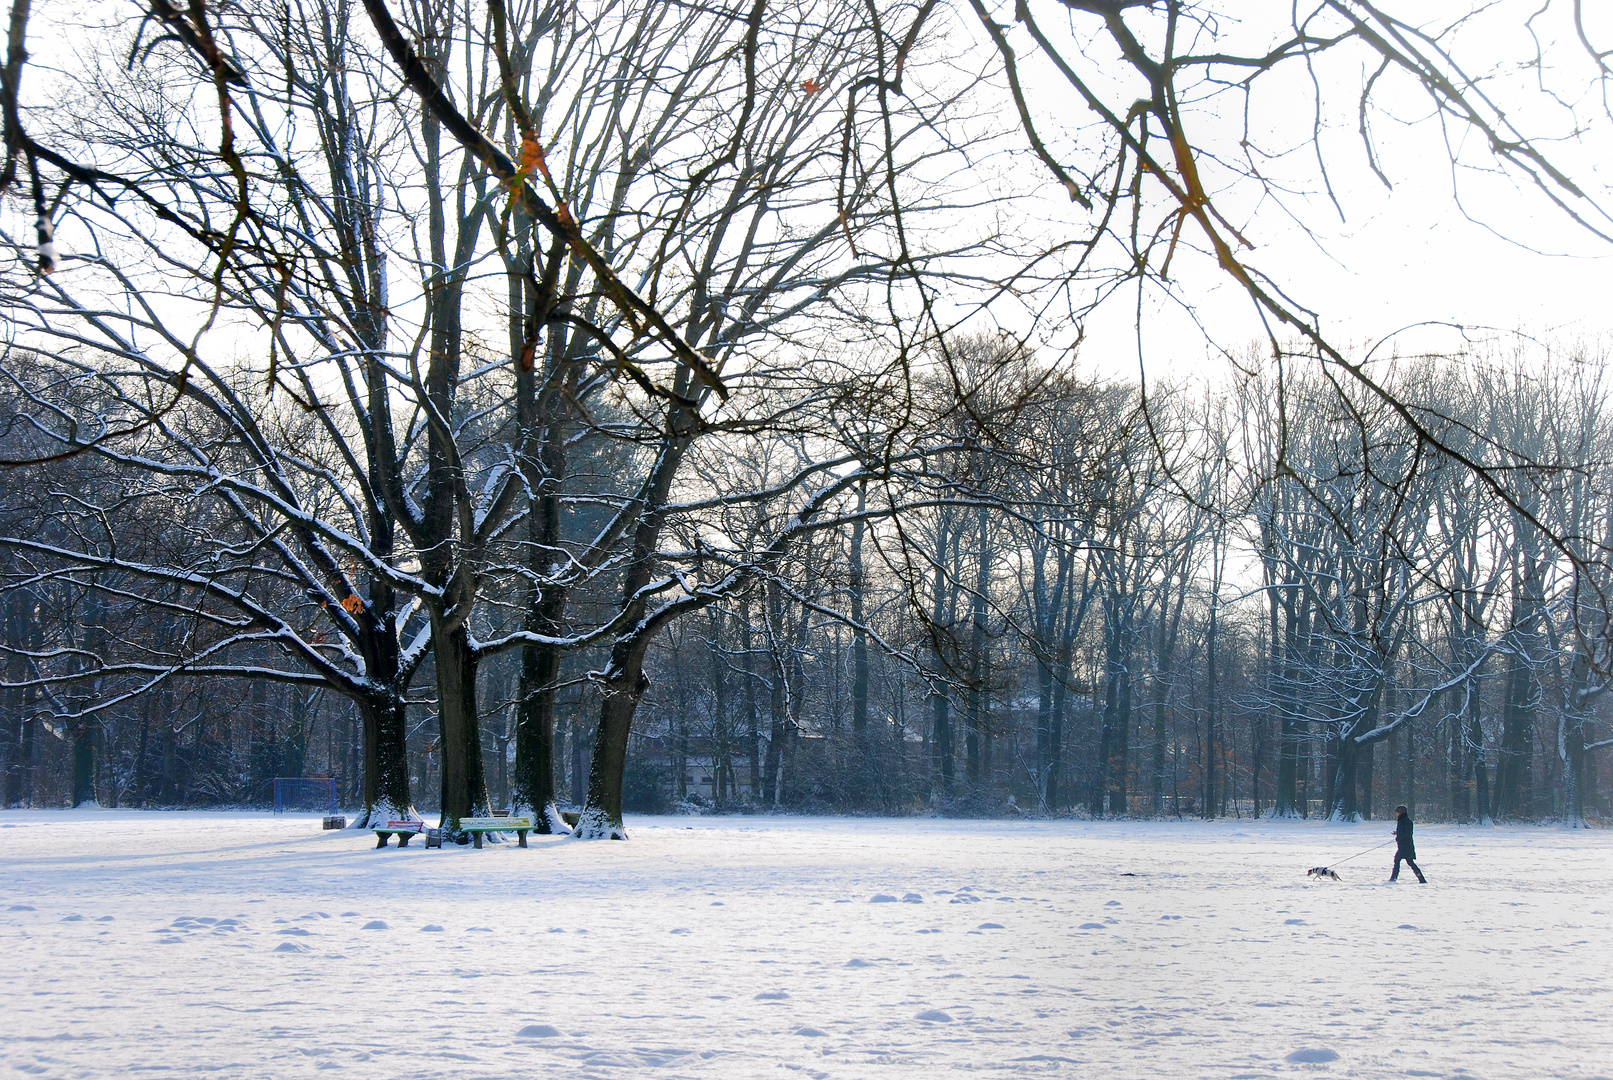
(1403, 845)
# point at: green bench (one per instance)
(476, 826)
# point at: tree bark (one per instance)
(464, 779)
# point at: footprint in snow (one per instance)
(1293, 922)
(934, 1016)
(539, 1031)
(678, 930)
(375, 924)
(1312, 1056)
(771, 995)
(1112, 903)
(1093, 926)
(882, 898)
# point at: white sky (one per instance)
(1398, 257)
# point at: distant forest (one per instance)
(1100, 612)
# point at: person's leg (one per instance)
(1394, 875)
(1416, 870)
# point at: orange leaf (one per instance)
(532, 156)
(810, 87)
(352, 605)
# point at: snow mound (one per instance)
(912, 898)
(557, 823)
(375, 924)
(811, 1033)
(294, 931)
(990, 926)
(856, 963)
(1092, 926)
(20, 907)
(539, 1031)
(882, 898)
(771, 995)
(593, 824)
(934, 1015)
(431, 928)
(290, 946)
(1312, 1056)
(72, 918)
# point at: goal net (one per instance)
(304, 793)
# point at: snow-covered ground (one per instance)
(244, 945)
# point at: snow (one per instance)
(245, 945)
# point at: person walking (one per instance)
(1404, 848)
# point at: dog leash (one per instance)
(1358, 854)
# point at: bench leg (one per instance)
(520, 837)
(380, 840)
(476, 838)
(403, 839)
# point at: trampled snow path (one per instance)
(242, 945)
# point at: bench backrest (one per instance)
(406, 826)
(495, 823)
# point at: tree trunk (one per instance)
(859, 638)
(753, 733)
(464, 780)
(384, 723)
(532, 788)
(621, 693)
(1212, 719)
(978, 664)
(85, 736)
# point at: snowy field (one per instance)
(243, 945)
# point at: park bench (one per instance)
(476, 826)
(403, 830)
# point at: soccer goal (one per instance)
(304, 793)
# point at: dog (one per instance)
(1322, 872)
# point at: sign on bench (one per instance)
(476, 826)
